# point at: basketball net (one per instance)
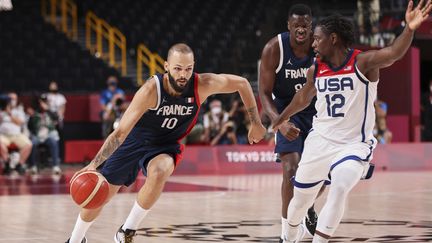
(6, 5)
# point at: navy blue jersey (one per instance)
(172, 118)
(290, 75)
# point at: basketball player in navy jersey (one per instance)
(284, 63)
(162, 112)
(341, 144)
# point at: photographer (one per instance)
(213, 121)
(108, 98)
(227, 135)
(113, 112)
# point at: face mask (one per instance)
(53, 90)
(13, 103)
(216, 110)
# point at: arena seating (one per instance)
(34, 53)
(211, 27)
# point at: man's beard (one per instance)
(174, 84)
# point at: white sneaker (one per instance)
(34, 170)
(300, 235)
(56, 170)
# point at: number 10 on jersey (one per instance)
(169, 123)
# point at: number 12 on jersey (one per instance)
(335, 102)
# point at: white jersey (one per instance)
(345, 102)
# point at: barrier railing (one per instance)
(152, 60)
(108, 40)
(63, 15)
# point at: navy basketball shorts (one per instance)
(123, 166)
(283, 145)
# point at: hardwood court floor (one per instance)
(392, 207)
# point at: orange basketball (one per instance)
(89, 189)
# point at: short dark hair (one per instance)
(180, 47)
(299, 9)
(343, 27)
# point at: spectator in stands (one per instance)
(12, 118)
(42, 126)
(226, 135)
(4, 155)
(113, 112)
(213, 120)
(376, 38)
(56, 102)
(381, 132)
(368, 14)
(426, 108)
(107, 97)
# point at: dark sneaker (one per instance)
(83, 240)
(124, 236)
(310, 221)
(280, 240)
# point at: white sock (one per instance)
(319, 239)
(79, 230)
(136, 215)
(284, 222)
(292, 232)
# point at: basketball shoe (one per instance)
(124, 236)
(83, 240)
(300, 235)
(310, 221)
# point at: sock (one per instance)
(319, 239)
(136, 215)
(292, 232)
(284, 222)
(79, 230)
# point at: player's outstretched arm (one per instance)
(144, 99)
(300, 101)
(211, 83)
(376, 59)
(267, 75)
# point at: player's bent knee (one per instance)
(160, 169)
(307, 189)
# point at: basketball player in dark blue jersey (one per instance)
(162, 112)
(284, 63)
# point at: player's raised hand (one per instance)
(289, 130)
(256, 132)
(414, 17)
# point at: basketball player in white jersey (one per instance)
(340, 146)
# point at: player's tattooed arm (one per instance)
(145, 98)
(253, 115)
(108, 148)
